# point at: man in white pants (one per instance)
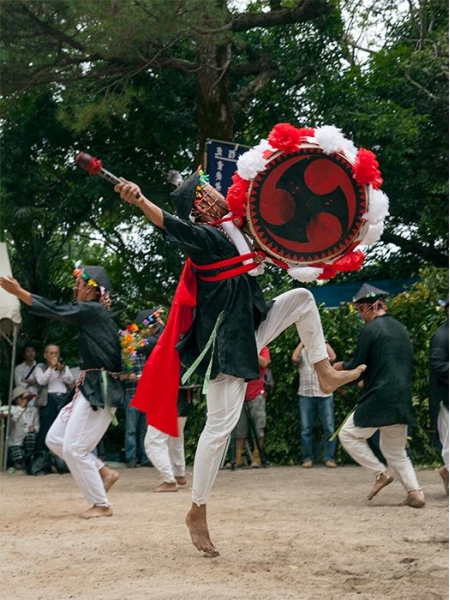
(386, 402)
(167, 452)
(80, 425)
(231, 325)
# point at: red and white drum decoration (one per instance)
(311, 199)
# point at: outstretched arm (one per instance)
(131, 193)
(11, 285)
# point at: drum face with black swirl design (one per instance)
(306, 207)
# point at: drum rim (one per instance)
(362, 228)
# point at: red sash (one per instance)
(157, 390)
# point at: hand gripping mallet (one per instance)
(94, 166)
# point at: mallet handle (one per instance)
(109, 176)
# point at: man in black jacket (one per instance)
(439, 390)
(386, 403)
(231, 324)
(81, 424)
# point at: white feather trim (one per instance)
(263, 146)
(373, 234)
(305, 274)
(251, 163)
(350, 150)
(330, 138)
(378, 206)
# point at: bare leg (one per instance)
(181, 480)
(198, 528)
(96, 511)
(443, 472)
(109, 477)
(330, 379)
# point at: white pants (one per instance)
(392, 446)
(73, 436)
(167, 452)
(443, 433)
(226, 394)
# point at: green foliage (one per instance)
(416, 309)
(397, 105)
(138, 84)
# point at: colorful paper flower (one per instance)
(287, 139)
(237, 195)
(132, 338)
(365, 169)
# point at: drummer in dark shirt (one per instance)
(233, 323)
(386, 402)
(81, 424)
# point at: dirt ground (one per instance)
(284, 533)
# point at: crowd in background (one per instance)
(42, 388)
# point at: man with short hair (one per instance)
(81, 424)
(218, 323)
(24, 373)
(56, 376)
(386, 402)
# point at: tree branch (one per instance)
(306, 10)
(55, 33)
(411, 246)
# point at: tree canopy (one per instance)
(142, 84)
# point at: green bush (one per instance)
(415, 308)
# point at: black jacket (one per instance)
(239, 298)
(438, 372)
(385, 347)
(98, 345)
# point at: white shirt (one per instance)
(57, 381)
(21, 372)
(21, 420)
(308, 380)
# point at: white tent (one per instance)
(10, 320)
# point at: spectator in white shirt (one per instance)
(24, 373)
(313, 401)
(57, 377)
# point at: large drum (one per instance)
(306, 207)
(309, 198)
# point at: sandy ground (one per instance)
(284, 533)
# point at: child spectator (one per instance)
(24, 426)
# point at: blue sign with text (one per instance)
(220, 162)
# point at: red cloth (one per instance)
(157, 390)
(255, 387)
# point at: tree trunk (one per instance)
(215, 113)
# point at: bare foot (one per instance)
(181, 480)
(96, 511)
(382, 480)
(109, 477)
(330, 379)
(415, 499)
(198, 528)
(166, 487)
